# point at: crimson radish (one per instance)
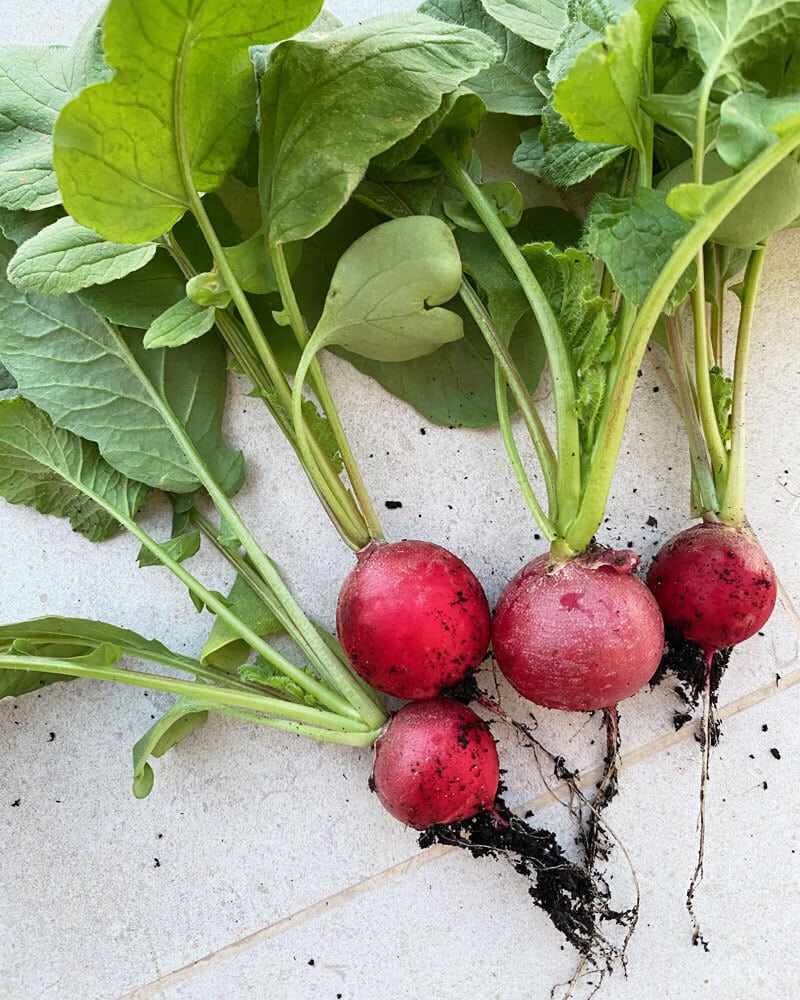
(412, 618)
(578, 636)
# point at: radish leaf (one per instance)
(66, 257)
(326, 110)
(553, 153)
(175, 724)
(35, 83)
(90, 377)
(384, 290)
(635, 237)
(539, 21)
(507, 86)
(224, 649)
(54, 471)
(178, 113)
(180, 324)
(139, 298)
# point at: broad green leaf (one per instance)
(328, 108)
(140, 298)
(224, 649)
(7, 380)
(14, 683)
(252, 265)
(747, 125)
(599, 95)
(678, 113)
(52, 470)
(180, 548)
(772, 205)
(261, 54)
(90, 378)
(35, 83)
(539, 21)
(175, 724)
(66, 257)
(729, 38)
(504, 197)
(553, 153)
(722, 398)
(507, 86)
(385, 290)
(180, 324)
(19, 225)
(178, 112)
(207, 289)
(568, 280)
(267, 676)
(635, 237)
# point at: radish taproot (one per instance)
(436, 763)
(412, 618)
(579, 636)
(715, 584)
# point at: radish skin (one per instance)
(580, 636)
(715, 584)
(436, 763)
(412, 618)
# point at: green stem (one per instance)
(315, 723)
(514, 457)
(592, 508)
(732, 510)
(718, 305)
(698, 453)
(533, 422)
(259, 587)
(702, 375)
(320, 386)
(568, 440)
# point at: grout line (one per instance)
(419, 860)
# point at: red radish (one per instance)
(579, 636)
(715, 584)
(436, 763)
(412, 618)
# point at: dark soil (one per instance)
(576, 900)
(684, 662)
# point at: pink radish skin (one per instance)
(436, 762)
(413, 619)
(714, 584)
(580, 636)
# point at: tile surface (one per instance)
(261, 839)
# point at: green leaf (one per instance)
(252, 265)
(176, 724)
(7, 380)
(504, 197)
(224, 649)
(265, 674)
(35, 83)
(180, 548)
(66, 257)
(180, 324)
(208, 289)
(678, 113)
(553, 153)
(539, 21)
(90, 378)
(507, 86)
(722, 398)
(585, 318)
(747, 125)
(178, 112)
(635, 237)
(140, 298)
(384, 290)
(731, 37)
(47, 468)
(19, 226)
(327, 109)
(599, 95)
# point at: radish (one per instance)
(412, 618)
(578, 636)
(715, 584)
(436, 762)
